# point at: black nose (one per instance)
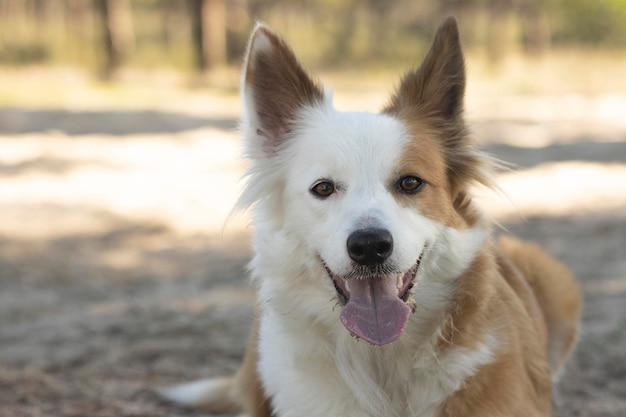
(370, 246)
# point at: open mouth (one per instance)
(376, 306)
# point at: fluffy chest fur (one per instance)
(306, 378)
(311, 366)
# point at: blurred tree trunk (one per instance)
(79, 22)
(537, 32)
(346, 28)
(501, 30)
(168, 10)
(379, 11)
(117, 32)
(208, 31)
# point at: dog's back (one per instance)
(556, 293)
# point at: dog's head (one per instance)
(363, 197)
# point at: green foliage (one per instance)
(327, 33)
(25, 53)
(591, 22)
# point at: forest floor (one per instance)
(117, 276)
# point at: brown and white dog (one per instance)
(380, 292)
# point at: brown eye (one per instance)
(323, 189)
(410, 184)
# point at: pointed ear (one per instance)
(437, 87)
(434, 93)
(274, 87)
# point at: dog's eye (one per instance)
(322, 189)
(410, 184)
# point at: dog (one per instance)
(380, 290)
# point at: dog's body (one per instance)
(379, 290)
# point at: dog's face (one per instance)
(364, 197)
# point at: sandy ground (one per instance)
(116, 276)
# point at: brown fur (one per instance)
(517, 382)
(422, 157)
(557, 294)
(511, 287)
(432, 96)
(243, 391)
(529, 298)
(256, 402)
(281, 86)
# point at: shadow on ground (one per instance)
(91, 323)
(590, 151)
(48, 166)
(75, 123)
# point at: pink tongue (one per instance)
(375, 312)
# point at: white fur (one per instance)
(193, 394)
(303, 360)
(309, 363)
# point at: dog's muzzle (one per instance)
(375, 300)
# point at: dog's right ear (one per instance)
(437, 87)
(274, 87)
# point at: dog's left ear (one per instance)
(275, 87)
(435, 89)
(434, 93)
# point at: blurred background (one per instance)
(107, 35)
(119, 162)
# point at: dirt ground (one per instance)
(116, 277)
